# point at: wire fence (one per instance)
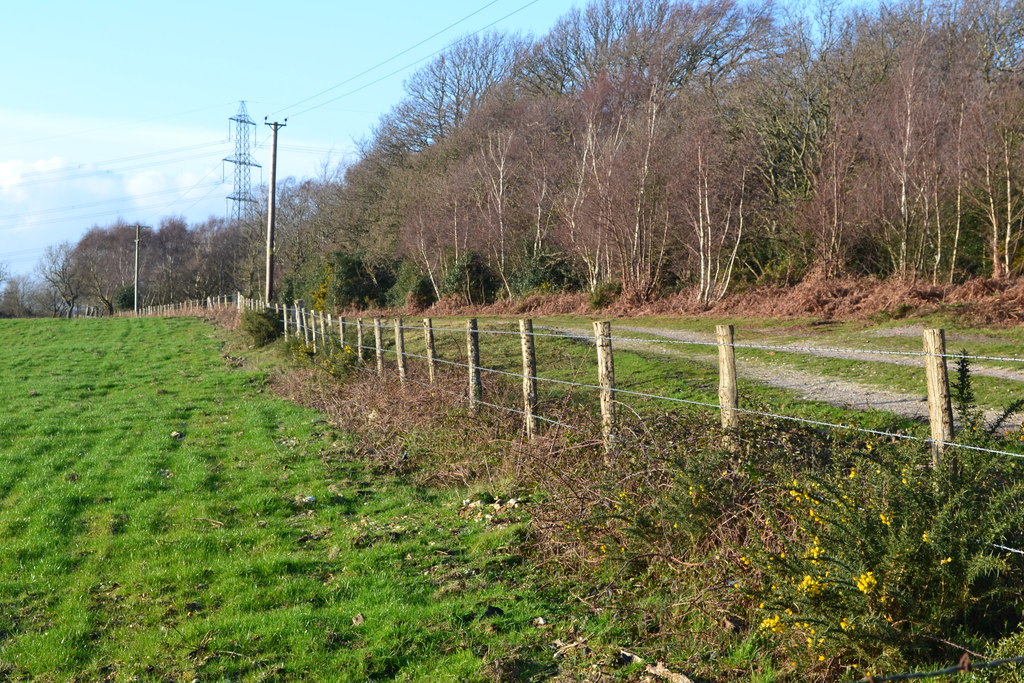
(314, 325)
(785, 348)
(324, 332)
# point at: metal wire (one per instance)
(786, 348)
(716, 406)
(965, 665)
(484, 403)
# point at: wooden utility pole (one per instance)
(268, 289)
(135, 308)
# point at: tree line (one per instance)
(643, 147)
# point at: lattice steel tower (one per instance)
(243, 209)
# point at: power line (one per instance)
(118, 125)
(135, 157)
(112, 171)
(90, 216)
(414, 63)
(386, 61)
(186, 193)
(84, 205)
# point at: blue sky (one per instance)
(120, 109)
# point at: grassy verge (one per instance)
(162, 517)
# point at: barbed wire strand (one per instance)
(964, 666)
(716, 406)
(707, 404)
(787, 348)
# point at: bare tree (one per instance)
(57, 268)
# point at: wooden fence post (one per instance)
(312, 327)
(284, 318)
(400, 348)
(473, 356)
(341, 330)
(728, 397)
(529, 377)
(378, 345)
(323, 331)
(940, 410)
(606, 378)
(330, 328)
(359, 339)
(428, 341)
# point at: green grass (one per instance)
(152, 526)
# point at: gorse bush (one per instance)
(840, 557)
(124, 300)
(883, 559)
(262, 327)
(333, 359)
(605, 294)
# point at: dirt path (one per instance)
(805, 385)
(809, 348)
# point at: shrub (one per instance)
(124, 300)
(472, 279)
(411, 289)
(334, 360)
(605, 294)
(835, 556)
(543, 273)
(262, 326)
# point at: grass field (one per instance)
(162, 517)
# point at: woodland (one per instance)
(641, 149)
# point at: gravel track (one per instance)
(806, 385)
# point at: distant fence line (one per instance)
(318, 329)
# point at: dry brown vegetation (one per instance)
(977, 301)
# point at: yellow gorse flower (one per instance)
(866, 582)
(811, 586)
(773, 624)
